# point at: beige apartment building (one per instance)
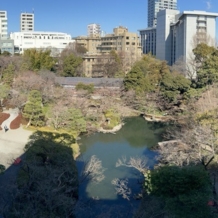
(125, 43)
(89, 42)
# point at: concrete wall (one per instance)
(164, 36)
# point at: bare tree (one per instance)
(188, 66)
(17, 99)
(202, 37)
(192, 143)
(28, 81)
(57, 115)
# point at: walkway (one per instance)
(13, 114)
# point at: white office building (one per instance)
(165, 20)
(94, 29)
(173, 37)
(26, 22)
(40, 40)
(184, 32)
(154, 6)
(3, 25)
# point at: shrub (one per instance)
(185, 190)
(15, 124)
(89, 87)
(113, 117)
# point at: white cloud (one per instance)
(208, 5)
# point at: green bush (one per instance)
(113, 117)
(185, 190)
(89, 87)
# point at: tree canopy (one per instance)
(39, 59)
(184, 190)
(33, 109)
(206, 58)
(70, 64)
(146, 75)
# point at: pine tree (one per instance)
(33, 109)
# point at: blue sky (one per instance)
(73, 16)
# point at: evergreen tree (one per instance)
(39, 59)
(76, 121)
(8, 75)
(70, 64)
(33, 109)
(206, 58)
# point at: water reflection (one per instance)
(132, 140)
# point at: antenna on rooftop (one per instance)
(33, 10)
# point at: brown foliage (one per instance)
(15, 124)
(3, 117)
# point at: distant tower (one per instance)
(27, 22)
(94, 29)
(3, 25)
(155, 6)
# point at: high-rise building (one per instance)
(154, 6)
(94, 29)
(3, 25)
(177, 33)
(27, 22)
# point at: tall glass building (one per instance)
(155, 6)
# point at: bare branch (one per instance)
(122, 188)
(139, 163)
(93, 170)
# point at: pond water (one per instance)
(133, 140)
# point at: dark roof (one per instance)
(98, 82)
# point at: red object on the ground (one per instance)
(17, 161)
(210, 203)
